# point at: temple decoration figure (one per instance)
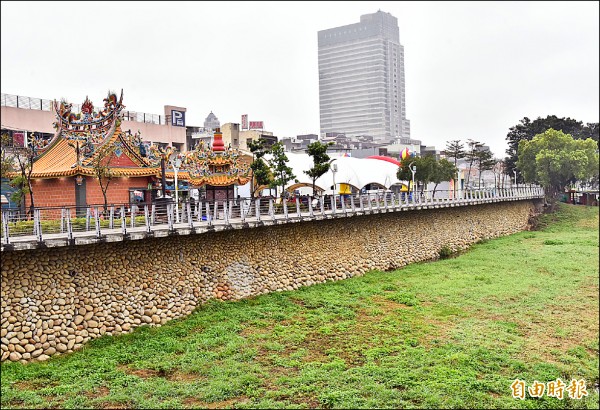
(217, 168)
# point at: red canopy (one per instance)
(388, 159)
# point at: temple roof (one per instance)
(86, 138)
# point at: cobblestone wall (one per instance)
(55, 300)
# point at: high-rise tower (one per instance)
(361, 79)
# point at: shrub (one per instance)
(445, 252)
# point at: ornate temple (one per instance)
(217, 168)
(88, 146)
(90, 151)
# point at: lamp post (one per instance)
(159, 155)
(413, 169)
(333, 171)
(176, 163)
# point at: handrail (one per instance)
(41, 104)
(70, 222)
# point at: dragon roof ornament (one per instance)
(88, 120)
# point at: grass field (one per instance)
(451, 333)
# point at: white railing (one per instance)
(70, 222)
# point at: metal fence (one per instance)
(30, 103)
(68, 222)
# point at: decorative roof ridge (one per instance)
(51, 146)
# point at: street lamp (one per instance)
(176, 163)
(413, 169)
(333, 171)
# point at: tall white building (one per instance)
(361, 79)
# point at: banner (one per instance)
(18, 138)
(244, 121)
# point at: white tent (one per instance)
(357, 172)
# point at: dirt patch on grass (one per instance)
(178, 376)
(114, 405)
(587, 223)
(196, 403)
(101, 391)
(569, 322)
(145, 373)
(33, 385)
(388, 305)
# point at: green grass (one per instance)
(448, 334)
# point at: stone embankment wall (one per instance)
(54, 300)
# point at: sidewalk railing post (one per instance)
(170, 216)
(97, 221)
(38, 221)
(5, 225)
(147, 218)
(188, 207)
(123, 222)
(208, 215)
(298, 207)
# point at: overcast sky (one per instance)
(473, 69)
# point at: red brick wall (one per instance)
(61, 191)
(53, 192)
(118, 189)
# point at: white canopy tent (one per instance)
(357, 172)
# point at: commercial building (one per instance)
(239, 139)
(362, 80)
(22, 116)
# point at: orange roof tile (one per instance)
(59, 160)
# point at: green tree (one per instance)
(485, 162)
(24, 158)
(318, 151)
(527, 129)
(102, 170)
(261, 174)
(282, 173)
(472, 154)
(6, 155)
(455, 150)
(554, 159)
(425, 168)
(443, 170)
(22, 189)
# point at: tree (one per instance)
(425, 167)
(102, 171)
(527, 129)
(321, 164)
(261, 174)
(455, 150)
(499, 173)
(471, 155)
(282, 173)
(443, 170)
(554, 159)
(485, 162)
(24, 156)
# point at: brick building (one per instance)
(66, 168)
